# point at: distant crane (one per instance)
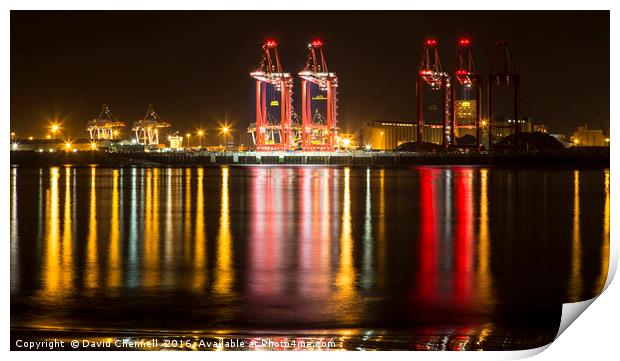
(105, 126)
(503, 74)
(467, 77)
(274, 89)
(431, 73)
(147, 129)
(319, 101)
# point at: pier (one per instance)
(575, 156)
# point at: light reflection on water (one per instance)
(434, 251)
(92, 269)
(605, 246)
(575, 274)
(14, 232)
(224, 274)
(52, 265)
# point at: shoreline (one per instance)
(584, 157)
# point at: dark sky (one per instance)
(194, 66)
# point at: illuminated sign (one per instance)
(274, 103)
(319, 97)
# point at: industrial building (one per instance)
(541, 128)
(505, 127)
(176, 141)
(384, 135)
(584, 137)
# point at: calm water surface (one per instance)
(419, 258)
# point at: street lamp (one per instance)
(54, 128)
(188, 135)
(225, 131)
(200, 134)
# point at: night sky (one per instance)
(194, 66)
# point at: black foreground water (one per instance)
(452, 257)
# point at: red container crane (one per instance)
(430, 73)
(468, 80)
(274, 90)
(319, 102)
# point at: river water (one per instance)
(425, 258)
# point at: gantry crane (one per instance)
(431, 74)
(274, 90)
(105, 126)
(147, 129)
(319, 101)
(468, 80)
(503, 74)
